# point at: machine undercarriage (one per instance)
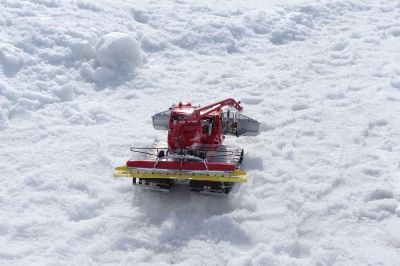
(205, 154)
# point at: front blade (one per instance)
(235, 176)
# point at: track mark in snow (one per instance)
(308, 133)
(47, 3)
(252, 100)
(299, 107)
(335, 95)
(354, 88)
(33, 181)
(374, 127)
(294, 249)
(377, 123)
(373, 41)
(85, 210)
(79, 185)
(395, 32)
(379, 194)
(286, 122)
(255, 93)
(88, 6)
(379, 209)
(372, 172)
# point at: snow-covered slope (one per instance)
(323, 77)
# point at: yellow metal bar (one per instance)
(235, 176)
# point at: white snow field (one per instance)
(79, 81)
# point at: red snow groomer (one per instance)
(194, 154)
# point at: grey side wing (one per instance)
(236, 124)
(161, 120)
(247, 126)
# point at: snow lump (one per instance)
(115, 50)
(117, 54)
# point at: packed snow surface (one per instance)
(79, 81)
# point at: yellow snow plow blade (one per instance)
(235, 176)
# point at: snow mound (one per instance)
(115, 50)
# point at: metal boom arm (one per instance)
(203, 111)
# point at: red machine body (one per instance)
(191, 127)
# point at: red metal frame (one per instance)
(186, 125)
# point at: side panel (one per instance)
(161, 120)
(236, 124)
(247, 126)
